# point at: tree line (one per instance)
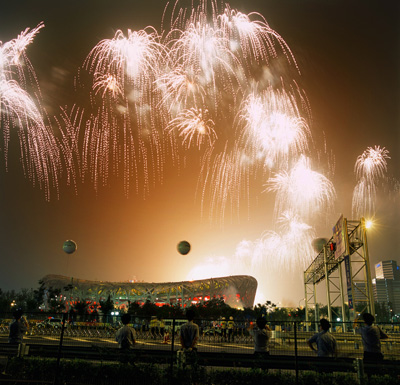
(49, 300)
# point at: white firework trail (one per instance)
(369, 168)
(289, 247)
(273, 126)
(301, 190)
(192, 124)
(20, 111)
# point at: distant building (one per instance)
(386, 285)
(235, 290)
(387, 270)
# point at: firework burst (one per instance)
(19, 110)
(194, 123)
(301, 190)
(370, 167)
(273, 125)
(290, 246)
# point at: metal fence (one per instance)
(288, 338)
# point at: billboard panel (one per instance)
(340, 238)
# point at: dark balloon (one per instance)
(69, 247)
(319, 243)
(183, 247)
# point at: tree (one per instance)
(26, 299)
(81, 308)
(6, 298)
(382, 311)
(106, 307)
(50, 297)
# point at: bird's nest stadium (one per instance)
(237, 290)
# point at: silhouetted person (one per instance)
(126, 335)
(189, 332)
(17, 328)
(326, 343)
(371, 337)
(261, 335)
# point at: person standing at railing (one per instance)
(223, 329)
(18, 328)
(371, 336)
(262, 336)
(154, 326)
(126, 335)
(325, 341)
(231, 328)
(161, 325)
(189, 332)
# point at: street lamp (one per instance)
(368, 223)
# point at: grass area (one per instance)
(74, 372)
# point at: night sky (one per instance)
(348, 57)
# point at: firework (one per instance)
(253, 37)
(19, 110)
(70, 126)
(372, 163)
(290, 246)
(124, 70)
(273, 125)
(106, 83)
(302, 190)
(180, 88)
(13, 57)
(133, 58)
(192, 123)
(191, 79)
(223, 177)
(369, 168)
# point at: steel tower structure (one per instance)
(347, 251)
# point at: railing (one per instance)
(216, 347)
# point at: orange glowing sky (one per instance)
(349, 64)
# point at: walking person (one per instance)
(325, 342)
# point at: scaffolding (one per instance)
(346, 250)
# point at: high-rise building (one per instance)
(386, 285)
(387, 270)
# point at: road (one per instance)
(348, 346)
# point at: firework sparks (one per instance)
(134, 58)
(372, 163)
(106, 83)
(302, 190)
(369, 168)
(125, 68)
(274, 126)
(12, 54)
(180, 88)
(192, 123)
(191, 79)
(255, 38)
(289, 246)
(40, 154)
